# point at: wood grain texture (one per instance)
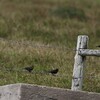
(77, 79)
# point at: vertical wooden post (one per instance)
(77, 79)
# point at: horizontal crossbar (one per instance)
(89, 52)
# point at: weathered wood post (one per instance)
(77, 78)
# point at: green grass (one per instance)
(43, 33)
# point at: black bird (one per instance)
(98, 46)
(53, 72)
(29, 69)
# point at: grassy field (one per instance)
(43, 33)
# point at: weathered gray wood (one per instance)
(77, 79)
(34, 92)
(10, 92)
(89, 52)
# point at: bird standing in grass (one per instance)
(98, 46)
(53, 72)
(29, 69)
